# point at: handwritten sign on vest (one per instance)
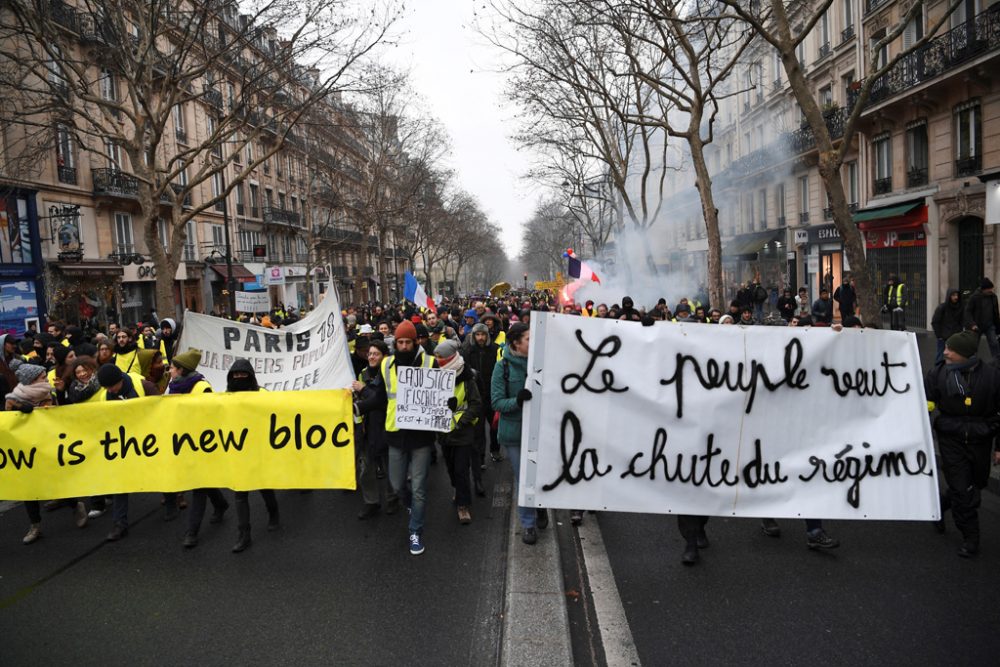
(726, 421)
(422, 398)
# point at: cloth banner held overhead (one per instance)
(726, 421)
(308, 354)
(242, 441)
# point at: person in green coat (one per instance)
(508, 396)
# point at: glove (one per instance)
(648, 321)
(522, 396)
(452, 403)
(26, 408)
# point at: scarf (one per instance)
(79, 392)
(127, 391)
(34, 394)
(456, 363)
(126, 348)
(185, 383)
(955, 381)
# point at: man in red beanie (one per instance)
(409, 451)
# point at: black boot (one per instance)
(243, 540)
(541, 519)
(273, 522)
(219, 512)
(690, 555)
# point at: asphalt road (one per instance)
(894, 593)
(326, 589)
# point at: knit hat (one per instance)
(964, 343)
(109, 375)
(446, 349)
(422, 331)
(406, 330)
(28, 373)
(188, 360)
(985, 283)
(479, 327)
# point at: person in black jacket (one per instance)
(369, 431)
(982, 316)
(480, 353)
(786, 305)
(947, 320)
(822, 310)
(966, 394)
(241, 377)
(847, 299)
(467, 409)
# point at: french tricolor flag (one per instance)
(578, 269)
(415, 293)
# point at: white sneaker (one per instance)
(93, 514)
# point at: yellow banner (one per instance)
(552, 285)
(241, 441)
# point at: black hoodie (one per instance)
(249, 384)
(947, 318)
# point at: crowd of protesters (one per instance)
(485, 340)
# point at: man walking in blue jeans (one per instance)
(409, 451)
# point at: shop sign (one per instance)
(889, 238)
(824, 234)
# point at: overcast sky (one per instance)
(453, 67)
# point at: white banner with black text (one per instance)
(308, 354)
(726, 421)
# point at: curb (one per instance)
(535, 621)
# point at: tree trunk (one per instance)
(703, 182)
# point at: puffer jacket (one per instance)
(973, 418)
(503, 392)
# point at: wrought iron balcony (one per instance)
(824, 51)
(67, 175)
(874, 5)
(916, 176)
(213, 97)
(883, 185)
(281, 216)
(803, 217)
(115, 183)
(62, 14)
(341, 235)
(777, 85)
(804, 139)
(958, 46)
(969, 166)
(847, 34)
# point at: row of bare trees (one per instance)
(624, 92)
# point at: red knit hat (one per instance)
(406, 330)
(416, 319)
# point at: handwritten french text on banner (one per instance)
(241, 441)
(726, 421)
(422, 398)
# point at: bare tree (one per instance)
(115, 76)
(785, 26)
(543, 240)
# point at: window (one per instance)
(231, 90)
(163, 231)
(182, 177)
(850, 88)
(273, 252)
(240, 203)
(748, 213)
(824, 35)
(804, 199)
(281, 200)
(269, 197)
(758, 70)
(113, 152)
(286, 246)
(218, 236)
(190, 242)
(779, 203)
(848, 31)
(968, 135)
(180, 128)
(800, 54)
(826, 98)
(852, 184)
(213, 127)
(881, 56)
(882, 151)
(124, 243)
(56, 78)
(747, 143)
(249, 152)
(916, 153)
(65, 159)
(217, 189)
(777, 69)
(964, 13)
(914, 30)
(109, 89)
(254, 200)
(762, 208)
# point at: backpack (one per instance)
(760, 294)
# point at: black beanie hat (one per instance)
(109, 375)
(985, 283)
(964, 343)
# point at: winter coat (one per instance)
(482, 359)
(786, 306)
(822, 311)
(371, 404)
(504, 396)
(972, 418)
(847, 298)
(982, 311)
(948, 317)
(464, 432)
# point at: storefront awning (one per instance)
(907, 216)
(90, 269)
(885, 212)
(240, 273)
(749, 245)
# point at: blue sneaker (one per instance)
(416, 544)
